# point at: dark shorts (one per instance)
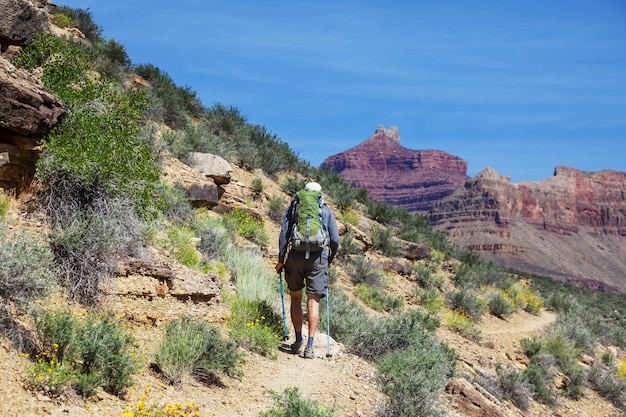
(312, 272)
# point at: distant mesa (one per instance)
(571, 226)
(393, 174)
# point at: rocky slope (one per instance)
(571, 226)
(396, 175)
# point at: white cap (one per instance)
(313, 186)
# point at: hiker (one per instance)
(307, 260)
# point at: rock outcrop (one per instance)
(571, 226)
(20, 21)
(391, 173)
(27, 113)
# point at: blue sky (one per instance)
(519, 86)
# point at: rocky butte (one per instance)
(393, 174)
(571, 226)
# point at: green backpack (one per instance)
(308, 231)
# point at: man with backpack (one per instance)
(309, 239)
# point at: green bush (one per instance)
(277, 208)
(464, 301)
(61, 20)
(608, 384)
(539, 375)
(292, 184)
(213, 234)
(499, 304)
(374, 298)
(244, 224)
(413, 378)
(192, 348)
(348, 245)
(183, 246)
(5, 204)
(363, 270)
(384, 241)
(27, 271)
(83, 20)
(515, 386)
(382, 335)
(98, 141)
(173, 202)
(291, 404)
(256, 326)
(257, 188)
(348, 319)
(96, 352)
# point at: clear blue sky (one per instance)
(520, 86)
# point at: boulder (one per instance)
(27, 113)
(20, 21)
(212, 166)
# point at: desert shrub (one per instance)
(348, 318)
(27, 271)
(182, 244)
(255, 326)
(173, 202)
(92, 353)
(523, 297)
(515, 386)
(531, 346)
(83, 20)
(498, 303)
(90, 230)
(177, 103)
(398, 331)
(98, 141)
(431, 300)
(257, 188)
(5, 204)
(621, 369)
(252, 281)
(106, 357)
(193, 348)
(349, 216)
(384, 241)
(348, 245)
(374, 298)
(361, 269)
(414, 378)
(291, 404)
(61, 20)
(213, 234)
(242, 223)
(460, 322)
(277, 207)
(608, 384)
(422, 274)
(466, 302)
(339, 190)
(56, 333)
(292, 184)
(540, 376)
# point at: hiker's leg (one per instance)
(296, 310)
(313, 308)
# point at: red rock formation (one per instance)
(396, 175)
(571, 226)
(27, 113)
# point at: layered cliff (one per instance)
(391, 173)
(571, 226)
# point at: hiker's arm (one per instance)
(333, 235)
(283, 239)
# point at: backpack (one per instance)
(308, 233)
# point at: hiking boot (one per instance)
(295, 346)
(308, 353)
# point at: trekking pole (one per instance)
(328, 354)
(282, 299)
